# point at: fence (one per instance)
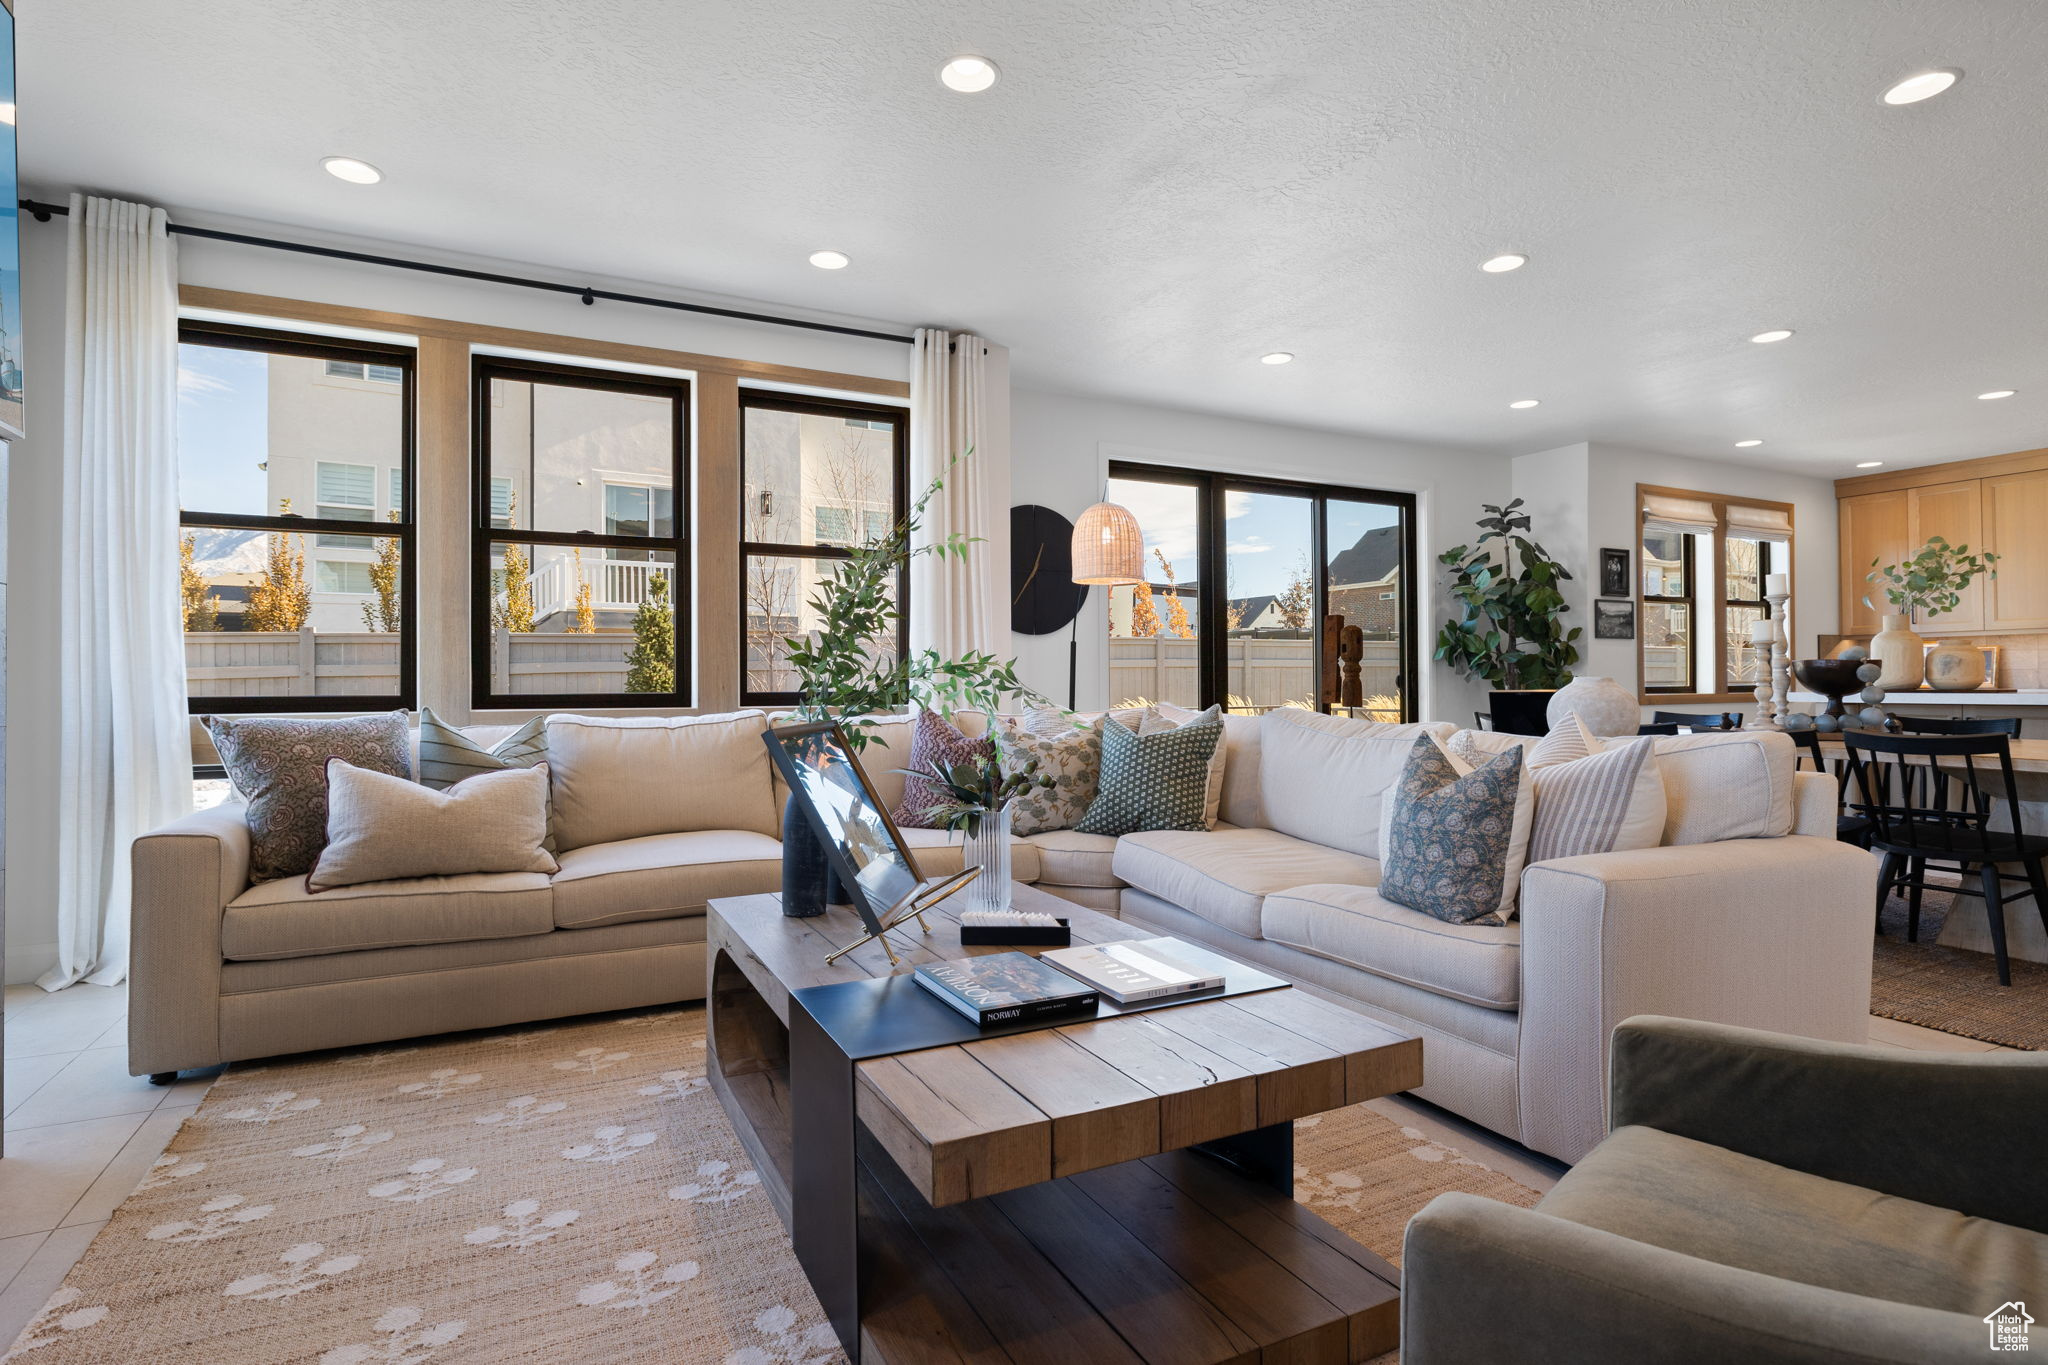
(1264, 672)
(327, 663)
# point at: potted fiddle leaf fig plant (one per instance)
(1931, 581)
(1511, 633)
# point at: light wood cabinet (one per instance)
(2015, 521)
(1955, 512)
(1874, 527)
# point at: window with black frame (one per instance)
(296, 547)
(580, 556)
(1667, 627)
(819, 478)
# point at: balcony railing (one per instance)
(615, 584)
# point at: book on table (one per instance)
(1136, 969)
(1006, 988)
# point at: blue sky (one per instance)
(223, 429)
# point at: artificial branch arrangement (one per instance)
(1510, 635)
(978, 790)
(848, 669)
(1931, 581)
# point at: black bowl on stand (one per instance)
(1833, 679)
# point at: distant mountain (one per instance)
(215, 553)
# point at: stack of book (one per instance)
(1012, 988)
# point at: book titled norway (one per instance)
(1005, 988)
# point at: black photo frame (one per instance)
(1614, 573)
(1614, 620)
(865, 849)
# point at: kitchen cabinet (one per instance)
(1955, 512)
(1875, 527)
(2015, 520)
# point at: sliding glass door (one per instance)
(1299, 565)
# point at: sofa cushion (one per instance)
(1736, 785)
(382, 828)
(1721, 1206)
(1480, 964)
(662, 876)
(1156, 781)
(1067, 857)
(283, 919)
(1322, 778)
(621, 778)
(1224, 874)
(1241, 805)
(279, 765)
(938, 853)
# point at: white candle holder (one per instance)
(1774, 689)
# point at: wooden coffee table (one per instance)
(1119, 1190)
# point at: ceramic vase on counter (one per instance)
(1901, 653)
(1603, 705)
(1953, 666)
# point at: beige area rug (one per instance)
(1954, 990)
(555, 1194)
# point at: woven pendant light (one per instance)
(1108, 546)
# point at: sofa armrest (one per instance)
(185, 874)
(1764, 933)
(1485, 1281)
(1960, 1130)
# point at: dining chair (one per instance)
(1930, 804)
(1725, 720)
(1668, 727)
(1977, 725)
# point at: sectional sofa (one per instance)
(1765, 924)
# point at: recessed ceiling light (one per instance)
(1924, 86)
(830, 260)
(1276, 357)
(350, 169)
(1995, 393)
(1744, 445)
(1525, 402)
(1500, 265)
(1775, 334)
(968, 75)
(1871, 464)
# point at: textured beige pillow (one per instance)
(626, 777)
(382, 828)
(1736, 785)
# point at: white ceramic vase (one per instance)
(1900, 652)
(1602, 704)
(1953, 666)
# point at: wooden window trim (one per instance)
(1720, 502)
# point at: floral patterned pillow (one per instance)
(279, 765)
(934, 739)
(1069, 751)
(1454, 839)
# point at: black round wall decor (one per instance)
(1043, 594)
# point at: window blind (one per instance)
(1760, 523)
(1685, 516)
(347, 485)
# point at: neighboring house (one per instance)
(1365, 582)
(1256, 613)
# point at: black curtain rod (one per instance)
(42, 213)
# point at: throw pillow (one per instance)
(935, 739)
(1608, 801)
(1568, 741)
(1155, 781)
(1071, 756)
(279, 765)
(447, 756)
(1166, 714)
(1456, 840)
(382, 828)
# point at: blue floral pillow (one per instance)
(1455, 838)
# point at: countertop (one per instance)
(2029, 697)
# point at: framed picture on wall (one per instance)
(1614, 573)
(1614, 620)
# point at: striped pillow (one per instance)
(1609, 800)
(447, 756)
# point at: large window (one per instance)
(819, 478)
(1707, 561)
(1295, 561)
(294, 457)
(581, 561)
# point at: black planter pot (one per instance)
(1521, 712)
(807, 880)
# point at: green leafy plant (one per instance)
(1511, 634)
(1933, 580)
(978, 789)
(651, 662)
(848, 668)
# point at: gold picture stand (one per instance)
(910, 907)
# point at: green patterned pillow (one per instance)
(447, 756)
(1155, 781)
(1454, 840)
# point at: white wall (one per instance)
(1061, 446)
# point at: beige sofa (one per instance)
(1765, 932)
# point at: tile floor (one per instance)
(81, 1132)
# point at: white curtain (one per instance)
(124, 756)
(959, 402)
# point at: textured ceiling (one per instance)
(1157, 193)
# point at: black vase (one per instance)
(805, 870)
(1521, 712)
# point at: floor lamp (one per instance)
(1109, 549)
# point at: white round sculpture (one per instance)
(1603, 705)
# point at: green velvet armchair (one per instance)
(1763, 1199)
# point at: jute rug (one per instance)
(553, 1194)
(1955, 990)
